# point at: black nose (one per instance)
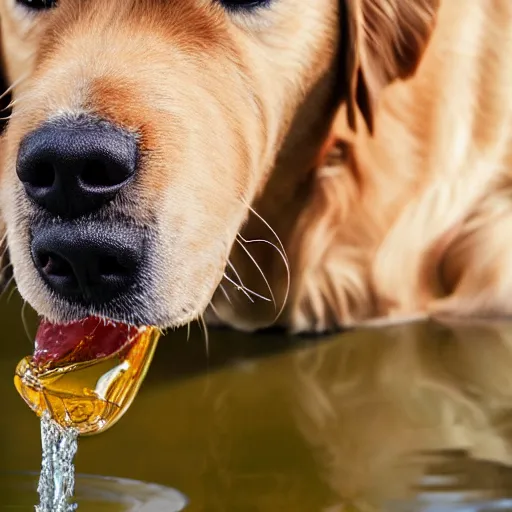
(92, 263)
(72, 167)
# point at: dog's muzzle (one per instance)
(71, 168)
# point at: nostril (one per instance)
(54, 265)
(72, 167)
(97, 173)
(88, 261)
(94, 174)
(111, 266)
(43, 175)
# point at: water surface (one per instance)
(415, 417)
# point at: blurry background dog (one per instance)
(330, 160)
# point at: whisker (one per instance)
(285, 261)
(202, 323)
(223, 290)
(238, 287)
(259, 270)
(281, 251)
(252, 210)
(7, 286)
(13, 85)
(15, 288)
(237, 275)
(5, 267)
(10, 105)
(214, 309)
(188, 332)
(243, 287)
(25, 322)
(9, 117)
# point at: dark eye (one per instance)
(238, 5)
(37, 5)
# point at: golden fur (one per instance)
(415, 221)
(366, 139)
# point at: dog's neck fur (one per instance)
(409, 221)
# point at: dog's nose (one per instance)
(71, 167)
(91, 264)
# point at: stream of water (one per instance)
(57, 479)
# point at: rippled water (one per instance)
(93, 494)
(455, 482)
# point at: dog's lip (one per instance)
(85, 340)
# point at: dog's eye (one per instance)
(236, 5)
(37, 5)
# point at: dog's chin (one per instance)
(155, 299)
(153, 302)
(140, 313)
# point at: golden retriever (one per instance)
(326, 162)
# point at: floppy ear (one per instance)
(384, 41)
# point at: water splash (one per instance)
(57, 479)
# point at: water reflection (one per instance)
(417, 414)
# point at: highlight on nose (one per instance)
(91, 265)
(74, 166)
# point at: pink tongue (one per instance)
(85, 340)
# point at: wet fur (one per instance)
(373, 151)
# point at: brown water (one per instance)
(416, 417)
